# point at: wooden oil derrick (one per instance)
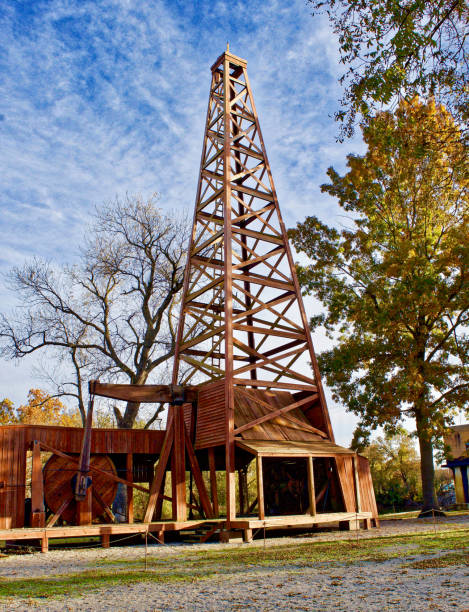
(242, 317)
(241, 386)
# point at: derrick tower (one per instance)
(242, 317)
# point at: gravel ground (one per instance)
(364, 585)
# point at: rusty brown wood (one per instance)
(55, 517)
(93, 468)
(199, 481)
(273, 414)
(139, 393)
(38, 515)
(155, 488)
(129, 473)
(213, 481)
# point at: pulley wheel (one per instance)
(58, 476)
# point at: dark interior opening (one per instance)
(285, 486)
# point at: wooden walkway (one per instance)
(243, 526)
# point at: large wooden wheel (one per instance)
(58, 476)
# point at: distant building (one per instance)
(458, 460)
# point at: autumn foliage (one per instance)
(395, 281)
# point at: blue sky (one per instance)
(102, 98)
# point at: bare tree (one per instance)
(113, 313)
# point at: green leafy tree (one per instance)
(395, 469)
(395, 284)
(397, 48)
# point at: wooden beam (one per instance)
(84, 508)
(38, 514)
(139, 393)
(311, 487)
(64, 505)
(269, 384)
(273, 414)
(357, 483)
(213, 481)
(199, 481)
(260, 488)
(107, 510)
(129, 473)
(159, 473)
(178, 466)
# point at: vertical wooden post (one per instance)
(38, 515)
(243, 491)
(84, 512)
(228, 286)
(44, 542)
(130, 490)
(260, 488)
(357, 484)
(105, 540)
(178, 466)
(311, 487)
(160, 500)
(213, 481)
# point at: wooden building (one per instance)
(246, 388)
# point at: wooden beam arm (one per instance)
(143, 393)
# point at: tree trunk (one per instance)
(127, 420)
(427, 469)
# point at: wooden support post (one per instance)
(38, 514)
(178, 466)
(160, 500)
(44, 543)
(311, 487)
(159, 474)
(260, 488)
(213, 481)
(243, 491)
(130, 490)
(247, 535)
(199, 481)
(105, 540)
(84, 512)
(357, 484)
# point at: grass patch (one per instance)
(455, 558)
(311, 553)
(198, 565)
(86, 582)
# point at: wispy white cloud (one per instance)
(100, 98)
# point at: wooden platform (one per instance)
(243, 525)
(280, 522)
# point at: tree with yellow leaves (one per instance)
(7, 412)
(40, 409)
(395, 283)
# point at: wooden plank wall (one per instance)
(347, 482)
(367, 493)
(103, 441)
(12, 477)
(210, 429)
(15, 440)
